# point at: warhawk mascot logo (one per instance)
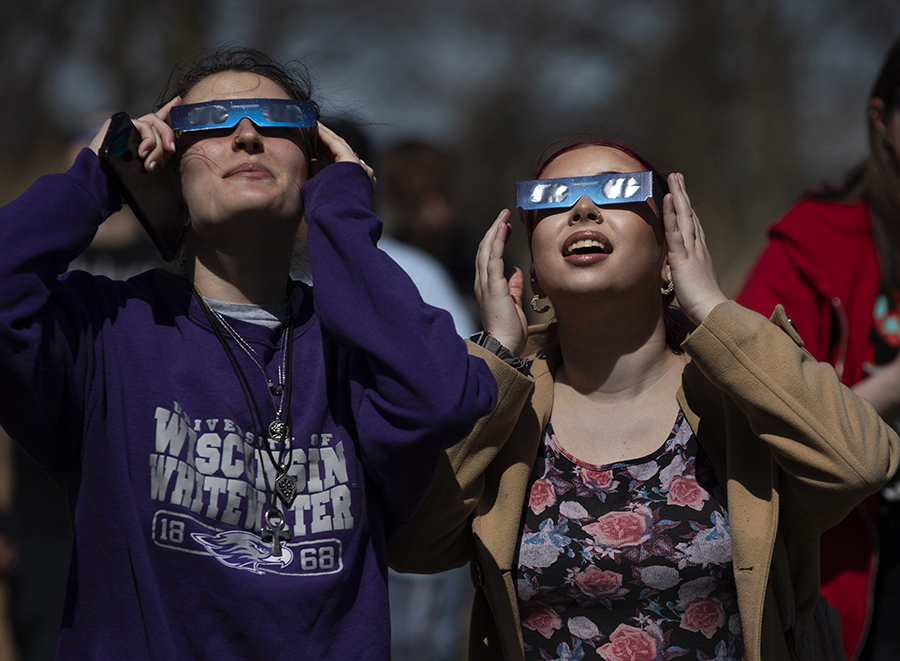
(243, 550)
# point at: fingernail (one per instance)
(143, 154)
(152, 165)
(172, 146)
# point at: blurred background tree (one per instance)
(753, 101)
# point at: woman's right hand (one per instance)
(499, 294)
(157, 137)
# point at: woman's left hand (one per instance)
(693, 274)
(335, 146)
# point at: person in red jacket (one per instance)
(833, 261)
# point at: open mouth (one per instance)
(586, 247)
(586, 243)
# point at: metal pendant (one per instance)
(275, 530)
(278, 430)
(286, 488)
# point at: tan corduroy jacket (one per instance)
(795, 450)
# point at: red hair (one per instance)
(581, 144)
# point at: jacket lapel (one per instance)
(752, 502)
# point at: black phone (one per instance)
(154, 196)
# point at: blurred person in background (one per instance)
(833, 262)
(428, 611)
(434, 282)
(640, 492)
(417, 193)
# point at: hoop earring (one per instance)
(668, 289)
(534, 304)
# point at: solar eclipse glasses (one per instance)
(226, 113)
(602, 189)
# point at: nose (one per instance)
(584, 209)
(246, 136)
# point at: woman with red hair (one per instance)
(639, 493)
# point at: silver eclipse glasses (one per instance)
(602, 189)
(226, 113)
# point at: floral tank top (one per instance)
(627, 562)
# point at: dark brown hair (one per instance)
(293, 78)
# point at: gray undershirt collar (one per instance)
(270, 316)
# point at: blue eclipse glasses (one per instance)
(602, 189)
(226, 113)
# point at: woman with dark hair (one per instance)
(833, 262)
(637, 494)
(237, 449)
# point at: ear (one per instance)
(665, 273)
(876, 116)
(535, 285)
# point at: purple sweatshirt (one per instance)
(122, 392)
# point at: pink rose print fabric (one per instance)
(627, 562)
